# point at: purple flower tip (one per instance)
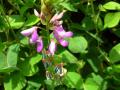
(39, 45)
(69, 34)
(29, 31)
(34, 36)
(63, 42)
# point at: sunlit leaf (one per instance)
(15, 21)
(68, 6)
(32, 20)
(112, 5)
(114, 54)
(78, 44)
(73, 80)
(111, 19)
(9, 62)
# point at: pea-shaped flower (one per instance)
(60, 34)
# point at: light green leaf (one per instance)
(111, 19)
(78, 45)
(94, 83)
(68, 6)
(112, 5)
(114, 54)
(28, 66)
(12, 55)
(68, 57)
(50, 84)
(8, 64)
(15, 21)
(32, 20)
(73, 80)
(14, 81)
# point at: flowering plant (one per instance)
(59, 45)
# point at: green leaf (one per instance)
(3, 24)
(87, 24)
(68, 57)
(33, 85)
(68, 6)
(32, 20)
(116, 68)
(73, 80)
(14, 81)
(111, 20)
(78, 44)
(50, 84)
(15, 21)
(94, 83)
(28, 66)
(8, 64)
(12, 55)
(114, 54)
(25, 41)
(112, 5)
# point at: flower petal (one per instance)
(59, 16)
(29, 31)
(53, 19)
(60, 31)
(36, 13)
(69, 34)
(39, 45)
(63, 42)
(34, 36)
(52, 47)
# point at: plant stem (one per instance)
(4, 15)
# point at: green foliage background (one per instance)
(92, 58)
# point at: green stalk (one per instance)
(4, 15)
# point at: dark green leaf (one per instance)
(28, 66)
(15, 81)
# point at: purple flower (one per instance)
(32, 33)
(57, 16)
(52, 47)
(60, 34)
(34, 37)
(29, 31)
(39, 44)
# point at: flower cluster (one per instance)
(59, 33)
(34, 37)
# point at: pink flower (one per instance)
(60, 34)
(39, 44)
(52, 47)
(32, 33)
(57, 16)
(29, 31)
(34, 37)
